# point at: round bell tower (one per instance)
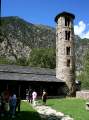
(65, 53)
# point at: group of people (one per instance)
(9, 103)
(32, 96)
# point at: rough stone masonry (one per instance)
(65, 53)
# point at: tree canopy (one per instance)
(84, 76)
(43, 58)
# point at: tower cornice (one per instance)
(64, 14)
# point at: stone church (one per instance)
(20, 78)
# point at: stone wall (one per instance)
(83, 94)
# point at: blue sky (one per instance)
(44, 11)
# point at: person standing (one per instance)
(30, 96)
(6, 98)
(27, 94)
(34, 96)
(44, 97)
(12, 103)
(18, 103)
(2, 104)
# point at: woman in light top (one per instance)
(34, 96)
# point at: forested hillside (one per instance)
(21, 42)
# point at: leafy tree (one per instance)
(84, 76)
(86, 70)
(42, 57)
(86, 62)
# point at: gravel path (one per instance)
(47, 113)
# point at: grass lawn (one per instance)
(27, 113)
(73, 107)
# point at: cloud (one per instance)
(81, 30)
(87, 35)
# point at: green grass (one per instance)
(73, 107)
(27, 113)
(70, 106)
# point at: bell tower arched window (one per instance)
(67, 35)
(67, 21)
(68, 62)
(67, 50)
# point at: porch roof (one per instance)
(26, 73)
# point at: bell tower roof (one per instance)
(64, 14)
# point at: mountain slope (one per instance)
(18, 38)
(32, 35)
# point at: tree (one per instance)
(84, 76)
(42, 57)
(86, 70)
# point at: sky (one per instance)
(44, 12)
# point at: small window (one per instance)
(67, 21)
(68, 62)
(67, 50)
(67, 35)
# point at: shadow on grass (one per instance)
(23, 115)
